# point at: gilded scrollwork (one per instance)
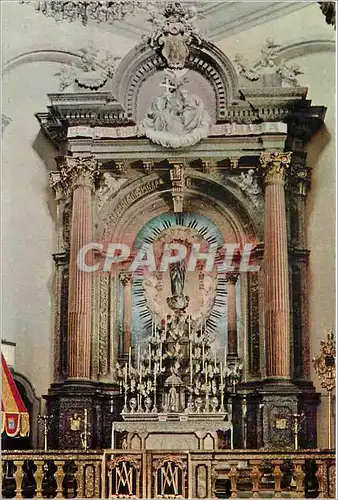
(325, 363)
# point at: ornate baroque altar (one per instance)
(176, 145)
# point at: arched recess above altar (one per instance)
(140, 209)
(209, 66)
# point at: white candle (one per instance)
(129, 365)
(225, 353)
(149, 357)
(203, 354)
(191, 363)
(138, 358)
(189, 326)
(140, 374)
(125, 373)
(112, 436)
(221, 373)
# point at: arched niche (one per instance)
(145, 198)
(141, 199)
(142, 63)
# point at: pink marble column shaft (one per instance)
(81, 174)
(126, 280)
(276, 279)
(232, 314)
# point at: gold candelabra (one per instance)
(325, 367)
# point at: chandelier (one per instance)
(108, 11)
(100, 11)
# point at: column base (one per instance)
(67, 402)
(278, 407)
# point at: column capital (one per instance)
(58, 186)
(126, 278)
(232, 278)
(274, 165)
(80, 171)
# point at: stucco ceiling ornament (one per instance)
(96, 68)
(175, 30)
(273, 70)
(176, 118)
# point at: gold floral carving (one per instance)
(325, 363)
(274, 165)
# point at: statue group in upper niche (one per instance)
(176, 118)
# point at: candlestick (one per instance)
(129, 363)
(189, 326)
(138, 358)
(155, 377)
(85, 429)
(225, 354)
(112, 445)
(203, 355)
(149, 358)
(221, 366)
(126, 374)
(140, 374)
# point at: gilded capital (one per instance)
(126, 278)
(78, 171)
(274, 166)
(232, 278)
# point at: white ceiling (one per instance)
(221, 18)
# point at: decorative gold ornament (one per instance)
(325, 364)
(325, 367)
(75, 422)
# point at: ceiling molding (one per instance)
(58, 56)
(241, 21)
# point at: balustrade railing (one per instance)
(168, 474)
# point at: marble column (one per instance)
(126, 280)
(79, 174)
(276, 279)
(232, 314)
